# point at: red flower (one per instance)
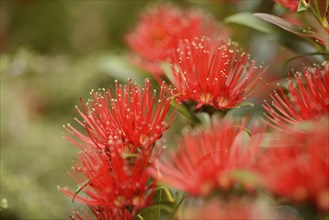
(230, 208)
(102, 213)
(206, 160)
(112, 183)
(132, 118)
(159, 29)
(307, 98)
(213, 73)
(292, 5)
(296, 165)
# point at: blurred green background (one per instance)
(52, 53)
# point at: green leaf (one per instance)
(155, 212)
(118, 67)
(302, 32)
(325, 55)
(247, 19)
(316, 33)
(183, 197)
(152, 212)
(284, 31)
(163, 200)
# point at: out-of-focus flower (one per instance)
(213, 73)
(292, 5)
(161, 27)
(110, 183)
(296, 164)
(133, 117)
(210, 159)
(102, 213)
(230, 208)
(307, 98)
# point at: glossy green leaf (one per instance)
(163, 201)
(247, 19)
(153, 211)
(325, 55)
(181, 200)
(119, 67)
(285, 25)
(269, 24)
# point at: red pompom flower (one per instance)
(161, 27)
(204, 161)
(213, 73)
(111, 183)
(131, 117)
(296, 164)
(307, 98)
(102, 214)
(233, 208)
(292, 5)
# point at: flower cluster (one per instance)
(122, 127)
(299, 148)
(219, 158)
